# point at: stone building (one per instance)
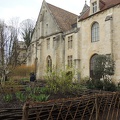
(62, 38)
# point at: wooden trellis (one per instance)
(104, 106)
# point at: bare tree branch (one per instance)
(26, 30)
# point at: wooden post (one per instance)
(25, 111)
(96, 104)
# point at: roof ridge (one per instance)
(61, 8)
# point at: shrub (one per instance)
(104, 67)
(41, 97)
(21, 96)
(23, 70)
(36, 94)
(7, 97)
(98, 84)
(90, 84)
(61, 81)
(84, 80)
(109, 85)
(106, 85)
(58, 82)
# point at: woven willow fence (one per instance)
(88, 107)
(98, 106)
(11, 114)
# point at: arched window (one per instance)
(92, 65)
(49, 64)
(95, 32)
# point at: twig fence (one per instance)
(88, 107)
(11, 114)
(99, 106)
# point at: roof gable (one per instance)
(85, 8)
(63, 18)
(104, 4)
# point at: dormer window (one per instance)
(94, 7)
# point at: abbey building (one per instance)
(63, 39)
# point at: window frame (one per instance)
(95, 32)
(70, 61)
(70, 42)
(92, 64)
(94, 7)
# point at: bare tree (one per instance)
(8, 48)
(26, 29)
(2, 52)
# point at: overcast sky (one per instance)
(24, 9)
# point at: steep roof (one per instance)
(85, 8)
(104, 4)
(63, 18)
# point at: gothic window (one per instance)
(92, 65)
(70, 39)
(48, 43)
(49, 64)
(94, 7)
(95, 32)
(70, 61)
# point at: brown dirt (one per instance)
(12, 104)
